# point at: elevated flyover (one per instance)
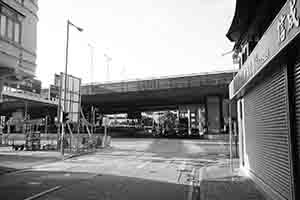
(156, 93)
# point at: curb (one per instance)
(53, 161)
(78, 154)
(213, 142)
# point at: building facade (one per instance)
(18, 35)
(267, 92)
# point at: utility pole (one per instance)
(92, 62)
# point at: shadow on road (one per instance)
(87, 186)
(187, 150)
(5, 170)
(233, 188)
(166, 149)
(11, 163)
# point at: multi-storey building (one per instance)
(267, 88)
(18, 35)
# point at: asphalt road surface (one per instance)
(132, 169)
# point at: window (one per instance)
(3, 25)
(10, 25)
(17, 33)
(21, 1)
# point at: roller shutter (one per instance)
(297, 111)
(267, 132)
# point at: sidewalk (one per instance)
(219, 182)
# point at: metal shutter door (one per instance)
(297, 110)
(267, 132)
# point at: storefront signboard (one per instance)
(284, 28)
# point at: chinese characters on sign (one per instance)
(283, 29)
(292, 20)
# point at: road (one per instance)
(131, 169)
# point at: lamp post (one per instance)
(108, 59)
(232, 125)
(65, 81)
(92, 61)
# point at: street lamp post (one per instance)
(92, 62)
(108, 59)
(65, 81)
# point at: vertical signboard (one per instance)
(70, 97)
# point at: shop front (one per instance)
(267, 91)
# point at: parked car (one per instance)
(181, 128)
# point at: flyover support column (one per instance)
(201, 119)
(1, 88)
(189, 121)
(213, 114)
(221, 113)
(205, 115)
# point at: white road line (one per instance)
(191, 185)
(143, 165)
(43, 193)
(201, 175)
(182, 166)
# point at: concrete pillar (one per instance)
(205, 115)
(189, 121)
(221, 113)
(25, 110)
(1, 89)
(201, 119)
(213, 114)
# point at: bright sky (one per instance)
(144, 38)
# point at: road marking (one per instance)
(191, 185)
(182, 166)
(43, 193)
(34, 183)
(143, 165)
(180, 169)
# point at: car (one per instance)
(167, 132)
(49, 147)
(181, 131)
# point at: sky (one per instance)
(148, 38)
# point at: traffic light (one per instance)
(65, 117)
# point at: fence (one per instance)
(51, 141)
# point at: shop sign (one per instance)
(283, 29)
